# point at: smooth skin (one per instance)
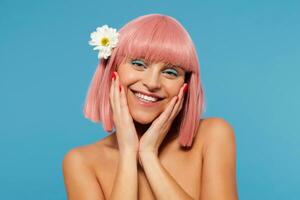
(153, 137)
(128, 140)
(218, 147)
(149, 142)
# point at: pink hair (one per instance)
(156, 38)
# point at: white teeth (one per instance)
(144, 97)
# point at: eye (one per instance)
(137, 62)
(172, 72)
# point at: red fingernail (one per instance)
(120, 88)
(185, 88)
(113, 76)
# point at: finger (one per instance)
(122, 97)
(124, 110)
(117, 94)
(123, 101)
(183, 97)
(179, 103)
(111, 94)
(167, 112)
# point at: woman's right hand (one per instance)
(128, 140)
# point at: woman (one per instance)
(147, 92)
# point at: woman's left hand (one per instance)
(153, 137)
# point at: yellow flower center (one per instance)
(104, 41)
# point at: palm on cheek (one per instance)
(126, 133)
(153, 137)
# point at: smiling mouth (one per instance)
(146, 99)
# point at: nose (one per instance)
(151, 80)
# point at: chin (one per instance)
(143, 118)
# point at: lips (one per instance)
(145, 98)
(149, 94)
(145, 104)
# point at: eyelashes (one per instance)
(172, 71)
(139, 63)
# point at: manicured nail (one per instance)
(113, 76)
(185, 88)
(120, 88)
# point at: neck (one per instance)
(141, 128)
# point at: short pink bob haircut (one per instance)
(156, 38)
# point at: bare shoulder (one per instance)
(83, 154)
(219, 155)
(81, 181)
(215, 130)
(91, 153)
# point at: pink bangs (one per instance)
(155, 38)
(158, 39)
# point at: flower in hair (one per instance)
(104, 39)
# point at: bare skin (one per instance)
(187, 167)
(109, 168)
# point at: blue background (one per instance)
(249, 55)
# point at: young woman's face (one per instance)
(155, 79)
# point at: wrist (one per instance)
(147, 154)
(128, 153)
(147, 157)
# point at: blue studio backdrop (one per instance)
(249, 55)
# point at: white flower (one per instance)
(104, 39)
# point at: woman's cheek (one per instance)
(173, 91)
